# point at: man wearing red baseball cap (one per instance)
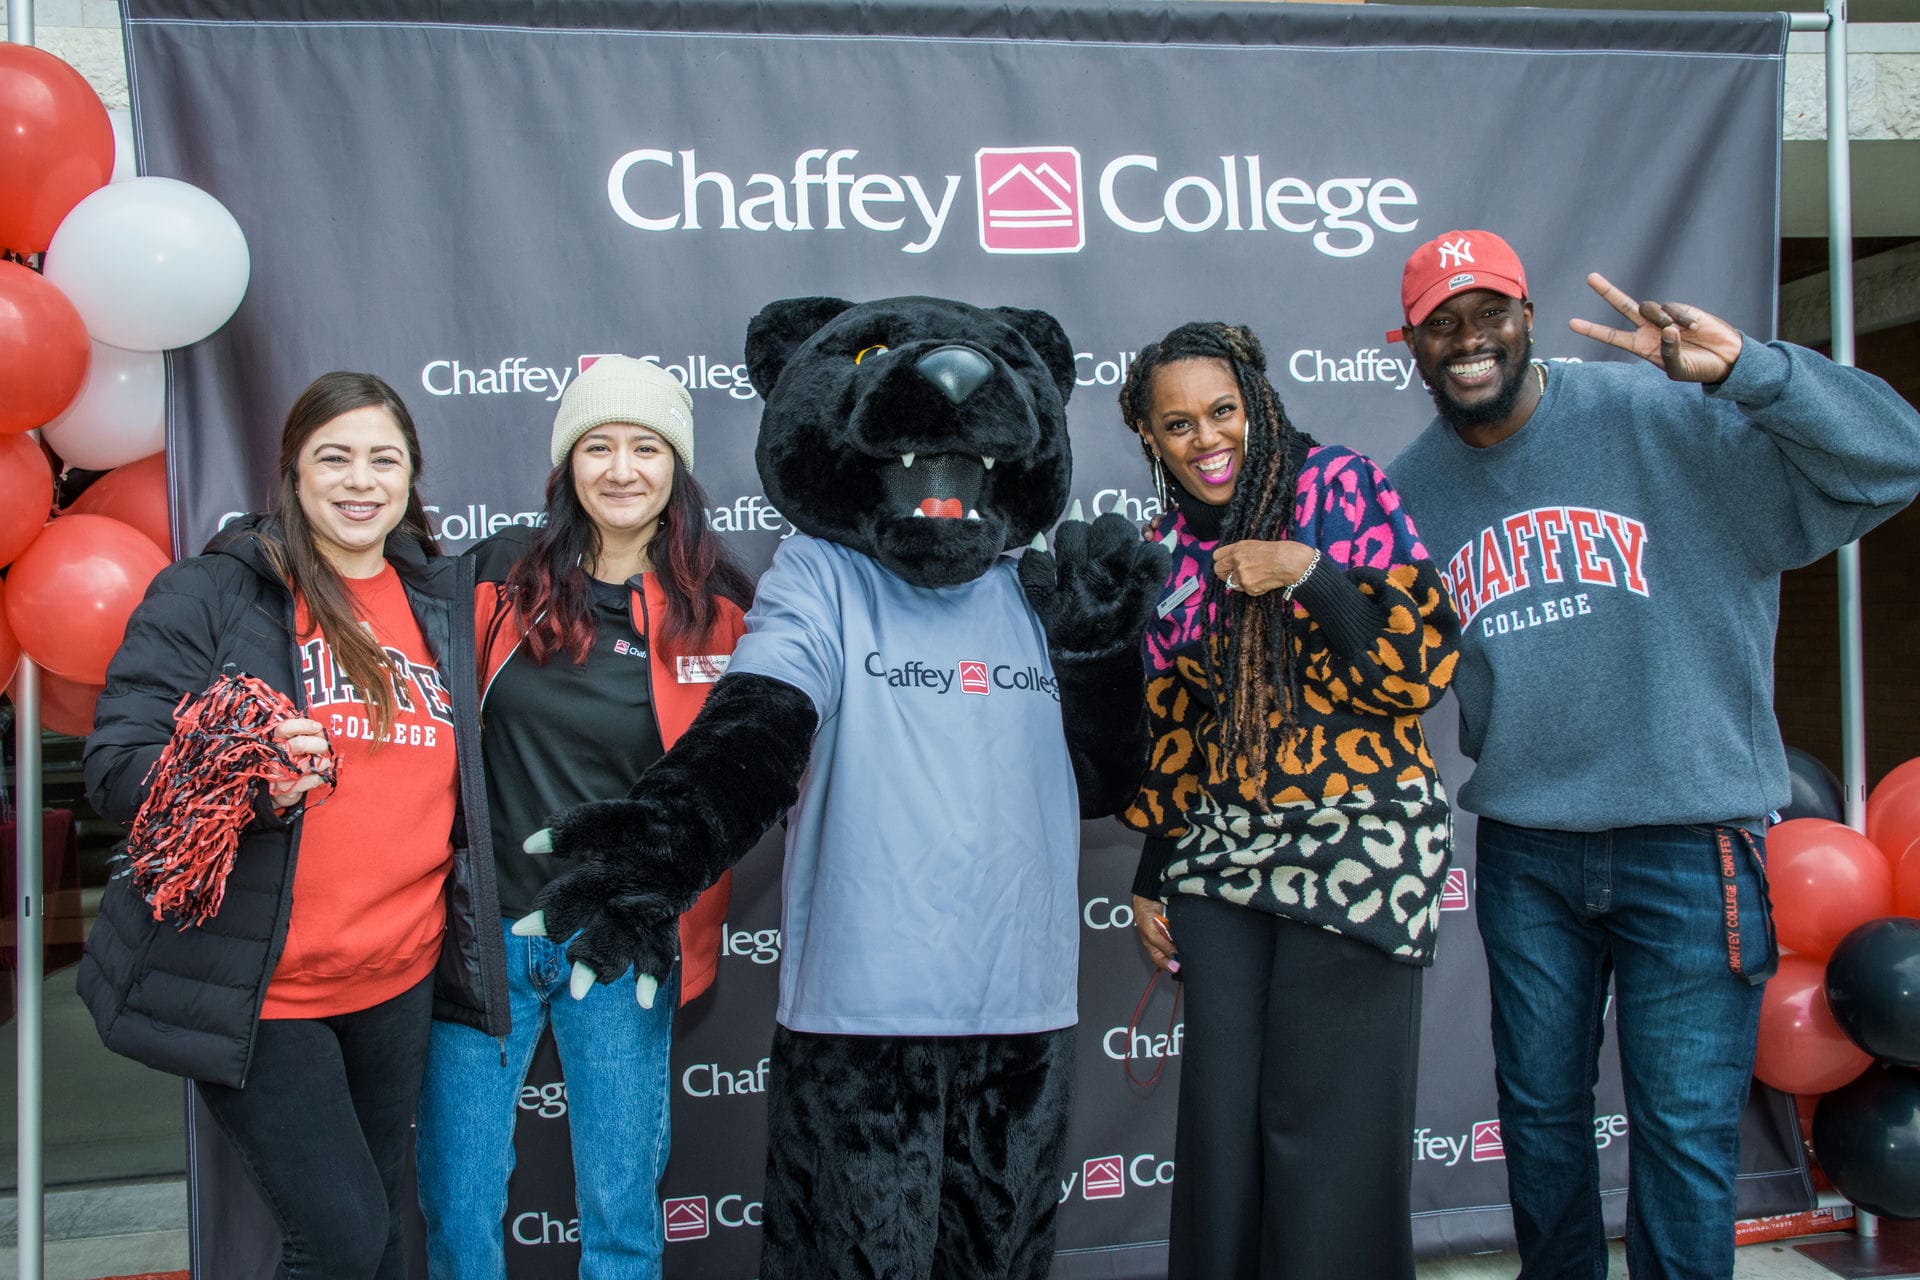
(1612, 534)
(1463, 277)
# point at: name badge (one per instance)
(700, 668)
(1178, 594)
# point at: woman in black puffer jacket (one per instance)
(301, 1008)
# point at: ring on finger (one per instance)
(1231, 584)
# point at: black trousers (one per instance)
(324, 1125)
(914, 1157)
(1297, 1080)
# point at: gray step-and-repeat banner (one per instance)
(473, 206)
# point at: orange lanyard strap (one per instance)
(1737, 958)
(1133, 1024)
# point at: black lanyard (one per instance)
(1737, 959)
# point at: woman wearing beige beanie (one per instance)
(599, 635)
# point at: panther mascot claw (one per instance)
(932, 717)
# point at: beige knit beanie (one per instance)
(622, 389)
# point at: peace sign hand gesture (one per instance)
(1690, 344)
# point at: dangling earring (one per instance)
(1161, 491)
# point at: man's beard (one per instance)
(1513, 380)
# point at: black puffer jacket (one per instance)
(188, 1000)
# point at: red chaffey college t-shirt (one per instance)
(369, 887)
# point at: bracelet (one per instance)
(1286, 592)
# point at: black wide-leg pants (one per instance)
(1296, 1101)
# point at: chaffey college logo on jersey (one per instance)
(972, 675)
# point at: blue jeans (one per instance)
(1559, 912)
(614, 1056)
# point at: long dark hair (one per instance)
(554, 598)
(307, 570)
(1250, 672)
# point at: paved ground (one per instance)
(137, 1229)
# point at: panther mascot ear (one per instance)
(1044, 334)
(783, 327)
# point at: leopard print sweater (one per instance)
(1353, 831)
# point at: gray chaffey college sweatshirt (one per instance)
(1616, 565)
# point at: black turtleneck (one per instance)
(1205, 518)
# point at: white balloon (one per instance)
(122, 143)
(150, 263)
(119, 415)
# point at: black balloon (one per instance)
(1867, 1137)
(1873, 987)
(1816, 792)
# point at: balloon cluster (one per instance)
(1842, 1016)
(100, 271)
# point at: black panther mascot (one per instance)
(932, 717)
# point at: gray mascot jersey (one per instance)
(930, 882)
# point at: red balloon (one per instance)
(65, 707)
(56, 145)
(135, 494)
(44, 350)
(1825, 878)
(1893, 810)
(69, 594)
(1801, 1048)
(1906, 881)
(1803, 1105)
(9, 647)
(26, 494)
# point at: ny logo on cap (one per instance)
(1460, 251)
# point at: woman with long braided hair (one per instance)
(1297, 832)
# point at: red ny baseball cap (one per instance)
(1452, 263)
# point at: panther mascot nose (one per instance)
(957, 371)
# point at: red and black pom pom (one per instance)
(201, 794)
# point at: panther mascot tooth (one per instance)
(932, 717)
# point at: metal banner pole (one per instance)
(1853, 692)
(1853, 729)
(29, 910)
(29, 922)
(1853, 718)
(20, 21)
